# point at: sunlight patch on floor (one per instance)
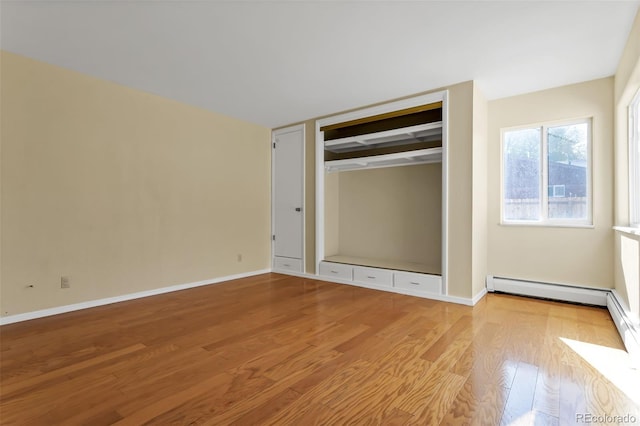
(527, 419)
(614, 364)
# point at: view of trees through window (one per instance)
(555, 157)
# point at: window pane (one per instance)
(567, 167)
(522, 174)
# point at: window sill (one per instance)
(627, 230)
(549, 225)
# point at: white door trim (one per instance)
(445, 192)
(274, 134)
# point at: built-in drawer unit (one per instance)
(417, 282)
(336, 270)
(375, 276)
(287, 264)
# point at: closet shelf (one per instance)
(407, 158)
(397, 265)
(405, 135)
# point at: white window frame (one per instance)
(544, 177)
(634, 162)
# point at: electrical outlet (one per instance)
(64, 282)
(239, 257)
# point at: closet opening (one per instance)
(381, 199)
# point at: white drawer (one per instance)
(287, 264)
(418, 282)
(336, 270)
(372, 275)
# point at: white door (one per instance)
(288, 184)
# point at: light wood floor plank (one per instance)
(279, 350)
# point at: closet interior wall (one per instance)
(391, 215)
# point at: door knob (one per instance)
(298, 209)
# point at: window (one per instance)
(556, 157)
(634, 161)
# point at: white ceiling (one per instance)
(275, 63)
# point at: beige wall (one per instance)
(120, 190)
(310, 197)
(460, 181)
(579, 256)
(627, 83)
(479, 219)
(392, 214)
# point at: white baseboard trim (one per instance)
(562, 292)
(478, 296)
(629, 330)
(433, 296)
(294, 273)
(453, 299)
(109, 300)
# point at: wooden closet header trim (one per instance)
(384, 116)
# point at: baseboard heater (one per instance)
(629, 332)
(561, 292)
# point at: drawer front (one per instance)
(287, 264)
(418, 282)
(336, 270)
(372, 275)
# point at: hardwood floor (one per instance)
(274, 349)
